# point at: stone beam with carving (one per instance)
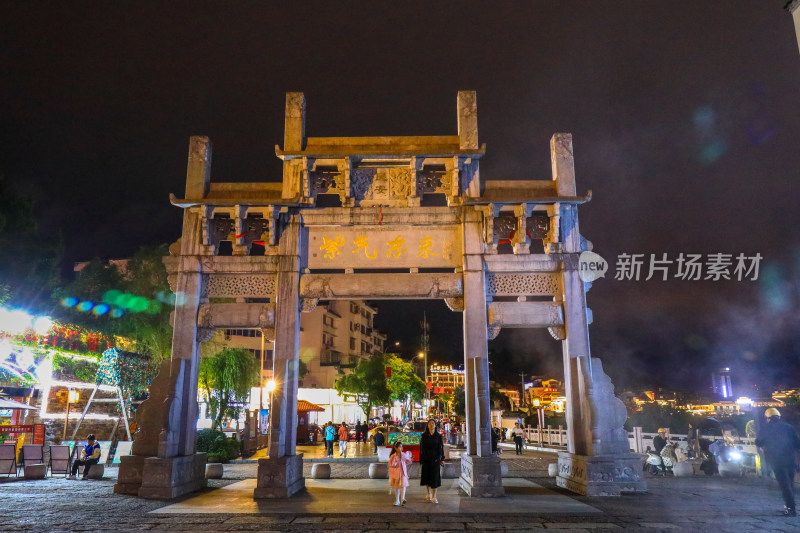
(525, 314)
(381, 286)
(236, 315)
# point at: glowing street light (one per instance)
(42, 325)
(15, 321)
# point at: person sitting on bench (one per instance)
(90, 456)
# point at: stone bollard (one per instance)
(451, 470)
(378, 470)
(35, 471)
(383, 453)
(683, 469)
(729, 469)
(321, 471)
(214, 470)
(552, 469)
(96, 472)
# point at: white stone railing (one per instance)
(556, 438)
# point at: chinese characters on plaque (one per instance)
(359, 248)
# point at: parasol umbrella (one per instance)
(5, 403)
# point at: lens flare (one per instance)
(117, 312)
(85, 306)
(138, 304)
(100, 309)
(69, 301)
(111, 297)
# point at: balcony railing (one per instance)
(330, 358)
(348, 361)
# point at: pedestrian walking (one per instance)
(693, 441)
(378, 440)
(780, 443)
(431, 455)
(518, 434)
(398, 472)
(344, 435)
(330, 436)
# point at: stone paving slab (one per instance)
(698, 504)
(371, 496)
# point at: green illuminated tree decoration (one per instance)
(131, 372)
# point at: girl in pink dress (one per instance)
(398, 472)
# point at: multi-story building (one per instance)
(721, 383)
(333, 338)
(444, 379)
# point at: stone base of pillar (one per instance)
(600, 475)
(481, 477)
(281, 477)
(129, 478)
(162, 478)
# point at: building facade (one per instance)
(334, 337)
(721, 383)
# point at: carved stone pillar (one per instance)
(594, 463)
(163, 463)
(281, 475)
(480, 470)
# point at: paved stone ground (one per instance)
(673, 504)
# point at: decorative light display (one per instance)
(127, 370)
(29, 348)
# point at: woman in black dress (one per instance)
(431, 455)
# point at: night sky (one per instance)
(685, 117)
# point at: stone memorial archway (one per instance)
(411, 207)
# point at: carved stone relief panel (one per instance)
(390, 186)
(538, 226)
(504, 226)
(327, 181)
(242, 286)
(361, 181)
(542, 284)
(434, 181)
(220, 229)
(254, 229)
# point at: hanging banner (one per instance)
(264, 421)
(19, 429)
(38, 433)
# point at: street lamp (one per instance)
(270, 389)
(73, 396)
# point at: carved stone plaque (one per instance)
(384, 247)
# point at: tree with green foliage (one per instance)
(368, 381)
(404, 384)
(141, 294)
(32, 270)
(460, 401)
(498, 399)
(225, 381)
